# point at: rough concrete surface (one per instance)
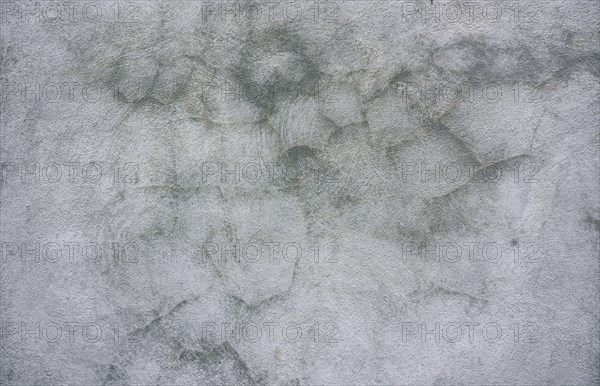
(200, 192)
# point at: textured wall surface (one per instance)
(299, 192)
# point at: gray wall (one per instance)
(299, 193)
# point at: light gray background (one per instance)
(143, 93)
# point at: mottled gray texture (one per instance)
(377, 138)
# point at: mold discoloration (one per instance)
(213, 356)
(276, 60)
(594, 222)
(473, 302)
